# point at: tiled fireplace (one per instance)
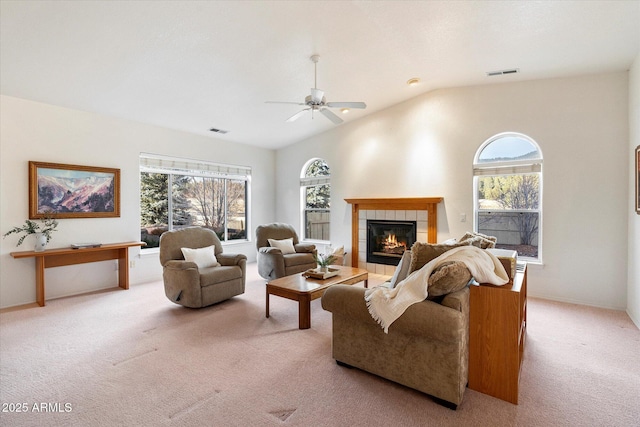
(388, 239)
(375, 265)
(419, 211)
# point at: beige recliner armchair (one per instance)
(291, 258)
(427, 348)
(206, 279)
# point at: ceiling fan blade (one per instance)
(317, 95)
(328, 114)
(346, 105)
(297, 115)
(284, 102)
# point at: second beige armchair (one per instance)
(280, 253)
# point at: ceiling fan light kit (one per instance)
(318, 102)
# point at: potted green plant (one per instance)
(42, 230)
(324, 261)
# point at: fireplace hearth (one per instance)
(387, 240)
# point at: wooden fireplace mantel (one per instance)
(430, 204)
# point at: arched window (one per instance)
(507, 180)
(316, 200)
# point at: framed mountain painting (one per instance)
(637, 179)
(72, 191)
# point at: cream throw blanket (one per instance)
(386, 305)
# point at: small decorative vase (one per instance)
(323, 269)
(41, 242)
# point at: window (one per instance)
(179, 193)
(316, 200)
(507, 178)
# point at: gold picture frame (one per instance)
(72, 191)
(637, 179)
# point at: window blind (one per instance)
(522, 169)
(314, 180)
(158, 163)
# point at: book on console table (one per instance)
(85, 245)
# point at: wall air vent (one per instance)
(220, 131)
(503, 72)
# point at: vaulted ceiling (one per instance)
(197, 65)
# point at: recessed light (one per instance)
(413, 82)
(344, 110)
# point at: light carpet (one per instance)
(133, 358)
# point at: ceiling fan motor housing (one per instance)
(314, 102)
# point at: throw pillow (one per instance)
(285, 245)
(422, 253)
(449, 277)
(402, 270)
(480, 240)
(339, 251)
(203, 257)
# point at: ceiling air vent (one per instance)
(503, 72)
(220, 131)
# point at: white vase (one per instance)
(41, 242)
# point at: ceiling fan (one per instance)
(317, 101)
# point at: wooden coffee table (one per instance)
(304, 290)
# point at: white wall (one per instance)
(46, 133)
(586, 127)
(425, 147)
(633, 289)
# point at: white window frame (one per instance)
(305, 182)
(155, 163)
(510, 167)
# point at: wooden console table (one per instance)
(497, 334)
(68, 256)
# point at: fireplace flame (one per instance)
(391, 242)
